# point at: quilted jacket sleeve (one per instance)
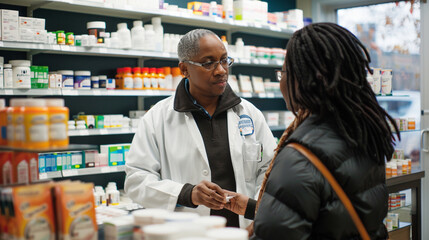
(291, 202)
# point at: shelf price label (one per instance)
(43, 175)
(8, 92)
(247, 95)
(102, 50)
(83, 132)
(65, 48)
(56, 47)
(96, 92)
(104, 132)
(270, 95)
(71, 172)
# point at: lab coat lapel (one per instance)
(235, 145)
(196, 136)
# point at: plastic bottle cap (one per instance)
(136, 70)
(17, 102)
(122, 25)
(167, 70)
(55, 102)
(95, 78)
(71, 122)
(66, 72)
(82, 73)
(160, 70)
(161, 231)
(33, 102)
(102, 77)
(152, 70)
(156, 21)
(126, 70)
(96, 24)
(20, 63)
(138, 23)
(145, 70)
(8, 65)
(211, 221)
(228, 234)
(148, 27)
(181, 217)
(175, 71)
(145, 216)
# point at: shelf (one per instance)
(81, 172)
(92, 171)
(401, 225)
(398, 208)
(87, 51)
(409, 131)
(104, 131)
(258, 62)
(91, 92)
(404, 179)
(125, 11)
(278, 128)
(71, 147)
(260, 95)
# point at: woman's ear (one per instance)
(183, 69)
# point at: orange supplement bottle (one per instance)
(153, 78)
(15, 123)
(58, 122)
(3, 122)
(146, 78)
(137, 78)
(118, 79)
(161, 78)
(127, 78)
(177, 77)
(36, 124)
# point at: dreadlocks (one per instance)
(327, 63)
(326, 76)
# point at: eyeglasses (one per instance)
(279, 74)
(225, 63)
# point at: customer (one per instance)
(323, 82)
(204, 139)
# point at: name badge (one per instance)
(245, 124)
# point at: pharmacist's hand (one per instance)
(238, 203)
(209, 194)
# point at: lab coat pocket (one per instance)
(252, 155)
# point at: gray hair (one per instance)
(189, 45)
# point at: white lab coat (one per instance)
(168, 151)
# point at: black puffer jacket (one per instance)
(300, 204)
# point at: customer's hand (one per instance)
(209, 194)
(238, 203)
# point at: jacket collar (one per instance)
(184, 102)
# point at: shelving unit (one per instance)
(410, 181)
(126, 11)
(71, 147)
(81, 172)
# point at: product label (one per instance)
(128, 83)
(68, 82)
(33, 170)
(58, 118)
(38, 133)
(146, 82)
(7, 173)
(21, 77)
(8, 79)
(161, 82)
(386, 83)
(22, 172)
(19, 133)
(154, 82)
(138, 83)
(82, 82)
(58, 131)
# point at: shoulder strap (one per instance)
(337, 188)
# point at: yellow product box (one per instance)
(196, 7)
(89, 120)
(34, 212)
(75, 211)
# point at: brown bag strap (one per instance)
(337, 188)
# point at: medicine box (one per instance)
(31, 23)
(116, 153)
(137, 113)
(196, 7)
(77, 160)
(245, 83)
(91, 158)
(89, 120)
(258, 84)
(9, 25)
(99, 121)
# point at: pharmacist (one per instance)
(192, 146)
